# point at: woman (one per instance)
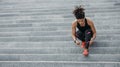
(86, 30)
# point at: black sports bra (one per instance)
(83, 29)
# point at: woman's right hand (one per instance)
(77, 42)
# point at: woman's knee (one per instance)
(78, 33)
(88, 35)
(89, 31)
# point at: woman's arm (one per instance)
(92, 28)
(74, 31)
(74, 24)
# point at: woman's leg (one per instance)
(88, 35)
(80, 35)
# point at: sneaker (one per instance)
(85, 52)
(83, 44)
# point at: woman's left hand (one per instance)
(91, 42)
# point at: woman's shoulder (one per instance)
(74, 23)
(89, 21)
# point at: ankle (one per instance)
(86, 49)
(83, 41)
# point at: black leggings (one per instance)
(86, 36)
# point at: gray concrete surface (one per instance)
(37, 33)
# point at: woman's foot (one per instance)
(83, 44)
(85, 52)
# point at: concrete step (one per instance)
(13, 34)
(62, 16)
(62, 11)
(43, 32)
(59, 57)
(48, 33)
(51, 24)
(35, 39)
(66, 12)
(43, 12)
(58, 64)
(56, 5)
(16, 25)
(96, 22)
(55, 44)
(29, 10)
(60, 50)
(60, 21)
(52, 38)
(40, 24)
(54, 28)
(54, 1)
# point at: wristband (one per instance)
(74, 41)
(92, 39)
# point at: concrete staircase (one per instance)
(37, 33)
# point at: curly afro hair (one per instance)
(79, 12)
